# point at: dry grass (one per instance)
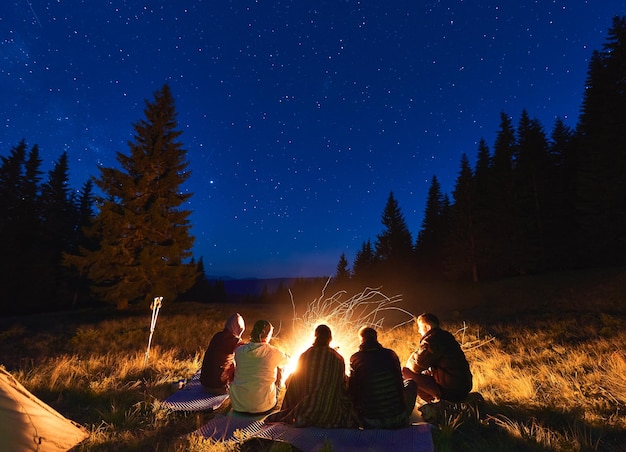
(549, 383)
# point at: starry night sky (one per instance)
(299, 117)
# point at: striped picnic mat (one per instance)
(193, 397)
(416, 438)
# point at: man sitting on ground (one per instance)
(381, 398)
(439, 366)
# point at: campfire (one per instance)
(344, 316)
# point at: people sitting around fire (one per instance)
(380, 396)
(218, 364)
(258, 372)
(438, 366)
(316, 390)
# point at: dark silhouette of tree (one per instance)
(394, 245)
(533, 177)
(602, 153)
(57, 232)
(83, 202)
(483, 215)
(57, 207)
(20, 229)
(462, 241)
(365, 264)
(343, 274)
(504, 230)
(429, 247)
(201, 290)
(561, 224)
(144, 234)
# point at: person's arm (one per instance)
(282, 362)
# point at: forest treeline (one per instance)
(534, 202)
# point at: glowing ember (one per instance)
(345, 318)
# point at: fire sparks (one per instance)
(344, 317)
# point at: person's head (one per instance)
(261, 331)
(323, 335)
(368, 334)
(235, 325)
(426, 322)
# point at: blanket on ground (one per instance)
(416, 438)
(193, 397)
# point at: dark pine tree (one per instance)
(83, 203)
(430, 244)
(394, 245)
(560, 222)
(462, 243)
(504, 230)
(201, 290)
(365, 265)
(20, 229)
(602, 153)
(342, 276)
(57, 233)
(534, 174)
(144, 234)
(482, 223)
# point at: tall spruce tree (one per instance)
(144, 240)
(483, 218)
(462, 242)
(365, 264)
(602, 153)
(533, 179)
(57, 232)
(342, 276)
(429, 247)
(394, 245)
(560, 223)
(20, 229)
(504, 228)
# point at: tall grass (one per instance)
(548, 382)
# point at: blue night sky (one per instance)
(299, 117)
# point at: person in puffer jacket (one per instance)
(381, 398)
(439, 366)
(218, 364)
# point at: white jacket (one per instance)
(253, 389)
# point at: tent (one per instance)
(28, 424)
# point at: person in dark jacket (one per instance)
(380, 397)
(218, 364)
(439, 366)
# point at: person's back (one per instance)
(316, 391)
(218, 366)
(253, 390)
(376, 386)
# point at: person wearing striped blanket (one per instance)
(316, 391)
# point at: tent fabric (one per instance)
(416, 438)
(193, 397)
(28, 424)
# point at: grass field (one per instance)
(548, 355)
